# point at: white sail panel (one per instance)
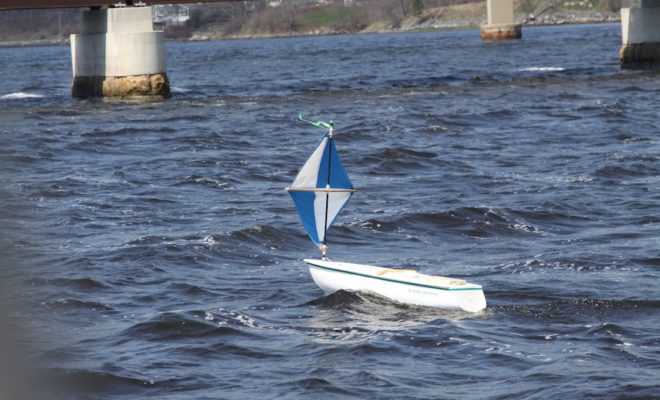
(335, 201)
(308, 175)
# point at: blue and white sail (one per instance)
(321, 189)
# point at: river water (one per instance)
(155, 254)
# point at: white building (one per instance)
(170, 14)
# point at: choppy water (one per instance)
(159, 256)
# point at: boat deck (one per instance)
(407, 276)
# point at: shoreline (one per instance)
(424, 27)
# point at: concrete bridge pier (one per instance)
(501, 23)
(118, 54)
(640, 33)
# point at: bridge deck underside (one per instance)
(23, 4)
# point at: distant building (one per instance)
(170, 14)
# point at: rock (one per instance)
(501, 32)
(128, 87)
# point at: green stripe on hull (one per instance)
(392, 280)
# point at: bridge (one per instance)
(27, 4)
(118, 53)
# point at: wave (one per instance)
(632, 170)
(576, 265)
(186, 118)
(176, 89)
(530, 76)
(397, 161)
(321, 387)
(466, 221)
(124, 131)
(56, 193)
(79, 284)
(21, 95)
(171, 326)
(188, 289)
(223, 182)
(23, 159)
(575, 310)
(653, 261)
(260, 244)
(541, 69)
(380, 309)
(72, 304)
(446, 80)
(398, 153)
(266, 236)
(80, 381)
(339, 298)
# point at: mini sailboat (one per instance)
(320, 191)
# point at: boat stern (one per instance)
(472, 300)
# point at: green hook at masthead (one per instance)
(318, 124)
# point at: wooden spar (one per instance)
(325, 190)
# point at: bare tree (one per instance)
(614, 5)
(417, 7)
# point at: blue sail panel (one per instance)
(338, 176)
(304, 202)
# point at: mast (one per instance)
(324, 246)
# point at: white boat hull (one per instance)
(405, 286)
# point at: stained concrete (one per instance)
(119, 54)
(501, 32)
(501, 21)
